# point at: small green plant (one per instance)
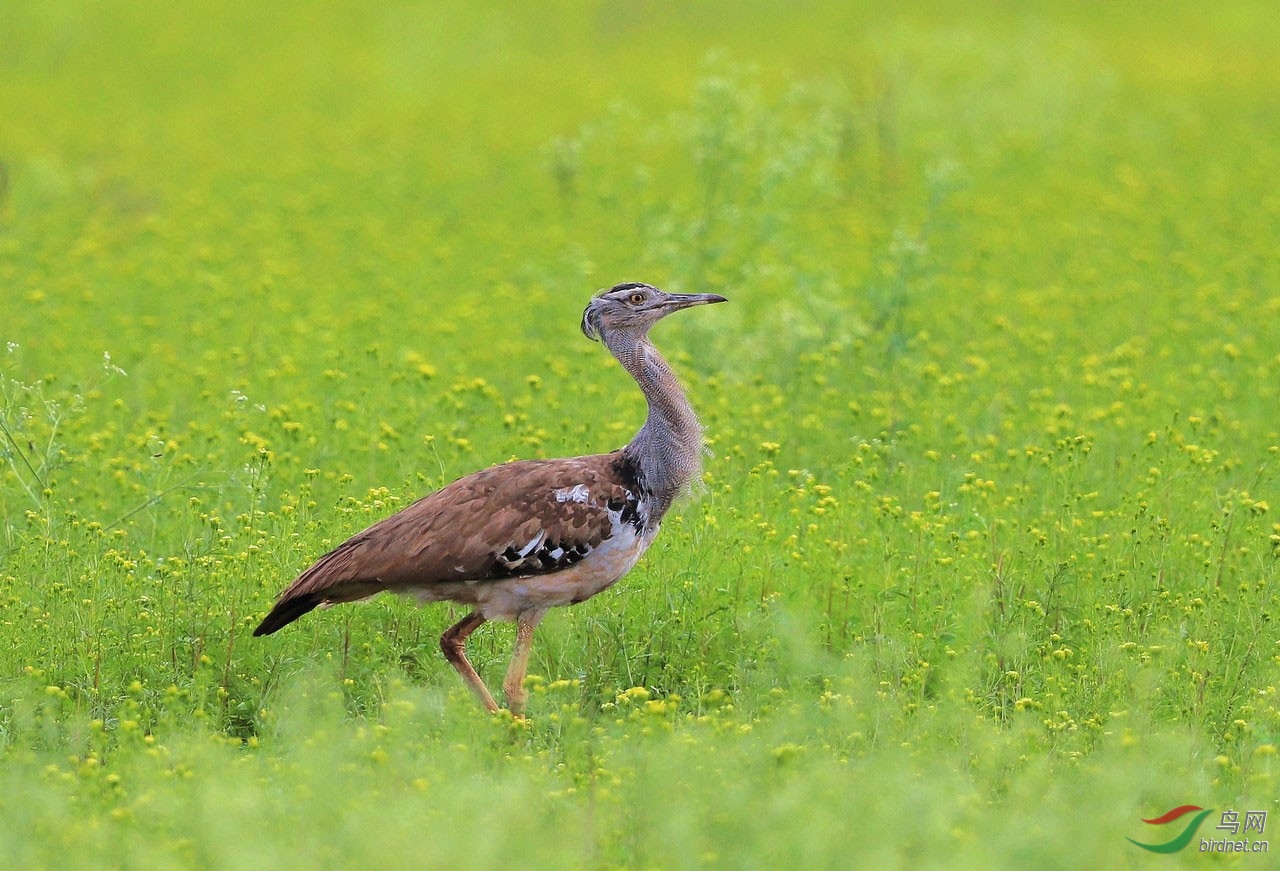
(32, 415)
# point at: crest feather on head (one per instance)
(591, 315)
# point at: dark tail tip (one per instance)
(285, 612)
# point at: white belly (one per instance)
(508, 598)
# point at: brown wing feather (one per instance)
(498, 522)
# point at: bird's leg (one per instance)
(513, 685)
(454, 644)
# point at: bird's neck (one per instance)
(667, 451)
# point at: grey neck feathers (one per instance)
(667, 451)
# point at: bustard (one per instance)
(517, 539)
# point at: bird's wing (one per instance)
(519, 518)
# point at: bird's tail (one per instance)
(286, 611)
(332, 579)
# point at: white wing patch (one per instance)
(528, 548)
(576, 493)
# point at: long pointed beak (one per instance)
(685, 300)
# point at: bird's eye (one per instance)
(636, 298)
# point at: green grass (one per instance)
(984, 570)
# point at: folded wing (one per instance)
(514, 520)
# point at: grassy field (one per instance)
(984, 570)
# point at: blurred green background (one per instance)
(983, 569)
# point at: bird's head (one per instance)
(633, 308)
